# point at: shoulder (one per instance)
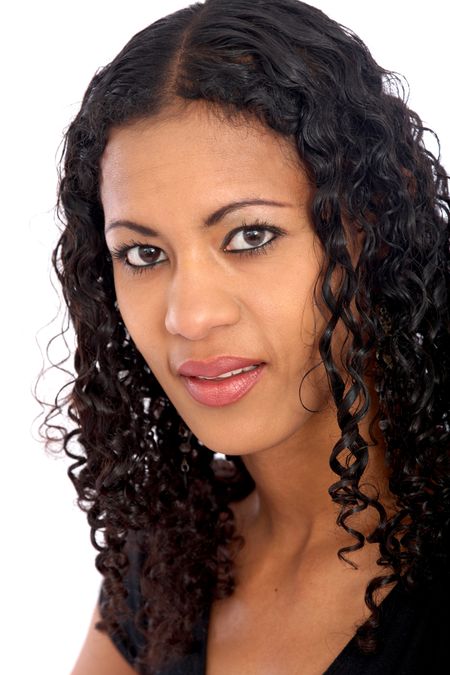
(113, 654)
(413, 636)
(424, 621)
(99, 655)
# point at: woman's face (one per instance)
(201, 300)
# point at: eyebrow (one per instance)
(209, 221)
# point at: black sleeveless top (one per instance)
(415, 636)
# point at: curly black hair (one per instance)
(289, 66)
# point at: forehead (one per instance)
(193, 155)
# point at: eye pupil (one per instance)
(253, 236)
(146, 253)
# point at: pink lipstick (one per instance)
(220, 381)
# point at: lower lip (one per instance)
(217, 393)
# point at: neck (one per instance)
(290, 507)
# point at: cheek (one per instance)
(295, 312)
(141, 314)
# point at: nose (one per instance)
(198, 300)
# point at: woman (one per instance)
(261, 442)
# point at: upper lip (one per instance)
(215, 366)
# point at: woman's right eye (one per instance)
(143, 255)
(137, 256)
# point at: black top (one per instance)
(415, 637)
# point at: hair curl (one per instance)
(293, 69)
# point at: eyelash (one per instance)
(120, 252)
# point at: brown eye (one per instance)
(252, 238)
(143, 255)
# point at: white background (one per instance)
(50, 50)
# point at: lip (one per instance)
(215, 366)
(216, 393)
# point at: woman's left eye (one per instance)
(252, 239)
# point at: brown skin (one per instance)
(98, 655)
(202, 301)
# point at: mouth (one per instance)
(228, 374)
(223, 389)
